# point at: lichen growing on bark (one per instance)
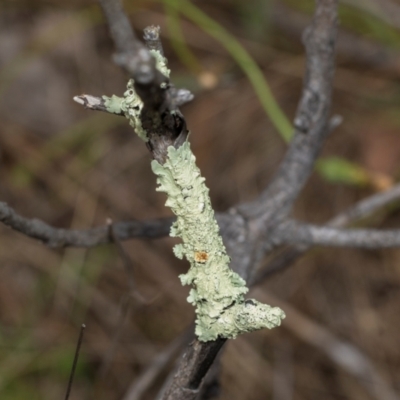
(217, 291)
(130, 104)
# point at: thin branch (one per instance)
(59, 237)
(93, 103)
(75, 362)
(193, 366)
(312, 117)
(132, 55)
(362, 209)
(124, 230)
(307, 234)
(354, 48)
(366, 207)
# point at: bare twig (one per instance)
(366, 207)
(132, 55)
(292, 232)
(59, 237)
(312, 117)
(307, 234)
(124, 230)
(352, 47)
(163, 128)
(362, 209)
(75, 362)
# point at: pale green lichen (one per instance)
(131, 105)
(161, 63)
(218, 292)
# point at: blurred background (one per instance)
(74, 168)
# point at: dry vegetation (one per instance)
(73, 168)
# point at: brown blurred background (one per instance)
(75, 168)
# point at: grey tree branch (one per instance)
(362, 209)
(353, 47)
(312, 125)
(306, 234)
(59, 237)
(312, 117)
(160, 117)
(131, 55)
(194, 364)
(124, 230)
(366, 207)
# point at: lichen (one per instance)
(130, 104)
(161, 62)
(217, 291)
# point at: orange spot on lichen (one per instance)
(200, 256)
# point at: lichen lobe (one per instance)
(130, 105)
(217, 291)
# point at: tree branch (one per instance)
(366, 207)
(59, 237)
(312, 117)
(131, 54)
(354, 48)
(160, 118)
(312, 123)
(362, 209)
(307, 234)
(193, 365)
(124, 230)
